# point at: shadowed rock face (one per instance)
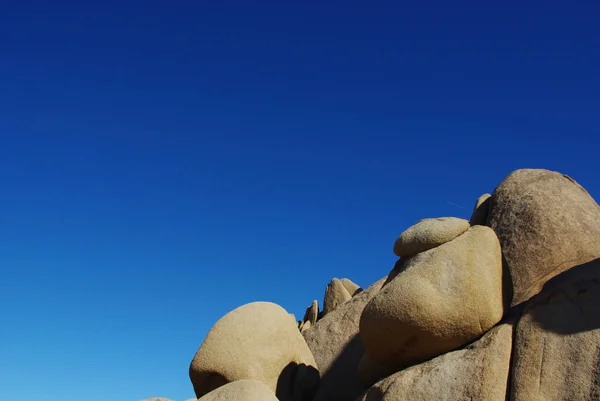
(546, 223)
(439, 300)
(557, 345)
(478, 372)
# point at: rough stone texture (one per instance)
(481, 210)
(429, 233)
(557, 344)
(257, 341)
(478, 372)
(436, 301)
(546, 223)
(352, 288)
(241, 390)
(335, 295)
(336, 346)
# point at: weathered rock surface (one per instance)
(478, 372)
(437, 301)
(257, 341)
(546, 223)
(557, 344)
(337, 348)
(429, 233)
(352, 288)
(481, 210)
(335, 295)
(241, 390)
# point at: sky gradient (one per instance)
(162, 163)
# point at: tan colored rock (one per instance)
(546, 223)
(258, 341)
(557, 344)
(478, 372)
(437, 301)
(305, 326)
(428, 234)
(312, 313)
(481, 210)
(337, 348)
(192, 399)
(241, 390)
(350, 286)
(335, 295)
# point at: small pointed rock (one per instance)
(335, 295)
(350, 286)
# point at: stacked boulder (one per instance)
(505, 306)
(337, 292)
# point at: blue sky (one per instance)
(162, 163)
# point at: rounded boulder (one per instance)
(437, 301)
(547, 223)
(258, 341)
(429, 233)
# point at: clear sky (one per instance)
(162, 163)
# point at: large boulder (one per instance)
(429, 233)
(557, 341)
(546, 223)
(258, 341)
(478, 372)
(241, 390)
(335, 295)
(337, 348)
(436, 301)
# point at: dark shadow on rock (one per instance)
(507, 285)
(341, 383)
(297, 382)
(398, 268)
(569, 302)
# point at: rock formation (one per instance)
(440, 299)
(505, 306)
(546, 223)
(258, 341)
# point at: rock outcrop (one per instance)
(335, 295)
(505, 306)
(241, 390)
(557, 344)
(352, 288)
(337, 348)
(478, 372)
(258, 341)
(310, 317)
(428, 234)
(440, 300)
(546, 223)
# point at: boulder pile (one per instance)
(505, 306)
